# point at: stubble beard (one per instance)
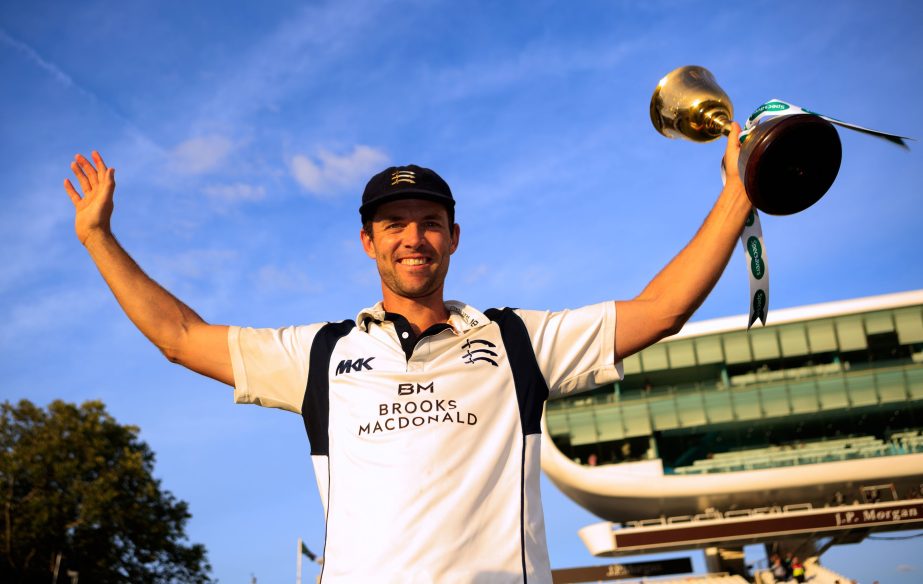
(418, 289)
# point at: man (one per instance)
(423, 414)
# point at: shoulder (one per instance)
(288, 339)
(589, 316)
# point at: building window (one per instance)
(850, 333)
(793, 340)
(821, 337)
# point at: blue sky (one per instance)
(243, 133)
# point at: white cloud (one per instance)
(906, 568)
(235, 192)
(200, 155)
(307, 41)
(41, 313)
(330, 174)
(536, 61)
(194, 264)
(275, 279)
(476, 274)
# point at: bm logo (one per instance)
(348, 365)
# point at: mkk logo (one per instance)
(348, 365)
(473, 353)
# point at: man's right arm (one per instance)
(180, 334)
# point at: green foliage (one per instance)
(75, 482)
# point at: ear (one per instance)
(456, 232)
(368, 244)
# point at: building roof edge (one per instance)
(802, 313)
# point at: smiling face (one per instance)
(411, 241)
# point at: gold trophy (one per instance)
(786, 163)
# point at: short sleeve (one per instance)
(271, 365)
(575, 349)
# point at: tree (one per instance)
(75, 483)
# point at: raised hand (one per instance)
(731, 154)
(94, 208)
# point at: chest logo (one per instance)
(350, 365)
(478, 350)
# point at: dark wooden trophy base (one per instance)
(789, 162)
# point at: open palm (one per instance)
(94, 207)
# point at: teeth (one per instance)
(413, 261)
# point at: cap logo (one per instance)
(403, 176)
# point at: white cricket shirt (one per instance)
(426, 456)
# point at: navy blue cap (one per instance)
(405, 182)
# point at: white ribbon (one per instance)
(752, 240)
(777, 107)
(752, 236)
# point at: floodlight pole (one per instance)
(298, 563)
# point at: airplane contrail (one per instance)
(64, 79)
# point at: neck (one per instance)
(421, 313)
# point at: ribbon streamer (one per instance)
(777, 107)
(752, 240)
(752, 236)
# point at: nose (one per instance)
(413, 235)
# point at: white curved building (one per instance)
(823, 407)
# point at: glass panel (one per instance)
(582, 427)
(909, 325)
(891, 386)
(737, 348)
(832, 394)
(879, 322)
(681, 354)
(765, 345)
(850, 334)
(775, 401)
(557, 422)
(821, 337)
(747, 405)
(609, 423)
(708, 350)
(862, 390)
(691, 410)
(804, 397)
(654, 358)
(663, 413)
(915, 383)
(637, 419)
(632, 364)
(718, 406)
(793, 340)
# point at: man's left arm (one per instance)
(675, 293)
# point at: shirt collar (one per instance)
(461, 316)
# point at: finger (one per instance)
(71, 192)
(88, 169)
(733, 146)
(734, 136)
(82, 178)
(101, 168)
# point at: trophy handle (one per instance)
(716, 121)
